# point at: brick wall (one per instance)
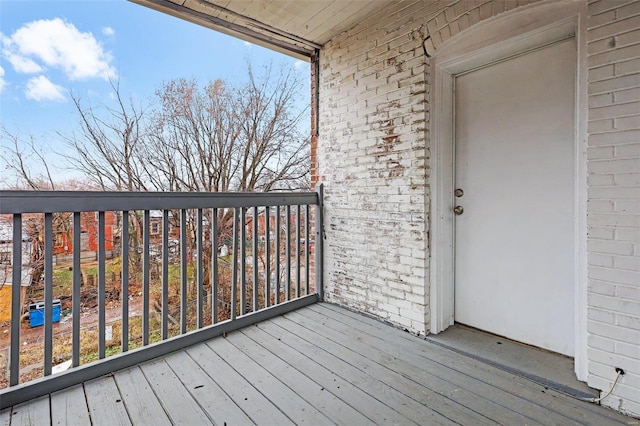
(614, 199)
(373, 155)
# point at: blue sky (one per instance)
(49, 49)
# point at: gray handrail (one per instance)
(270, 215)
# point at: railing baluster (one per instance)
(277, 255)
(16, 303)
(288, 253)
(146, 242)
(75, 298)
(267, 258)
(48, 293)
(199, 268)
(214, 266)
(318, 244)
(256, 224)
(124, 329)
(243, 261)
(234, 267)
(307, 249)
(183, 271)
(297, 246)
(101, 285)
(165, 274)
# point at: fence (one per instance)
(201, 263)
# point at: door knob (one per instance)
(458, 210)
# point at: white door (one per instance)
(514, 241)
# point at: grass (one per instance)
(32, 355)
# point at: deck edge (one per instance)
(46, 385)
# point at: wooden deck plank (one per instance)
(141, 403)
(105, 403)
(355, 370)
(450, 401)
(321, 365)
(329, 405)
(259, 409)
(309, 359)
(466, 391)
(209, 395)
(69, 407)
(290, 403)
(5, 417)
(175, 399)
(581, 411)
(471, 389)
(31, 413)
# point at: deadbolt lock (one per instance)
(458, 192)
(458, 210)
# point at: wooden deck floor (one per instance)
(318, 365)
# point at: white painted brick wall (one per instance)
(373, 154)
(614, 199)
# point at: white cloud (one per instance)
(248, 44)
(108, 31)
(42, 89)
(299, 64)
(22, 64)
(57, 44)
(2, 80)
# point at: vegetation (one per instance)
(214, 138)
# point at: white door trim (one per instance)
(491, 40)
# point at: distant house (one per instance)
(63, 233)
(6, 269)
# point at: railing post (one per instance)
(146, 241)
(319, 240)
(75, 299)
(234, 270)
(214, 266)
(267, 256)
(297, 248)
(124, 295)
(48, 293)
(165, 274)
(183, 271)
(101, 285)
(16, 290)
(277, 255)
(243, 261)
(287, 249)
(199, 267)
(256, 223)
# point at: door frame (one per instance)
(497, 38)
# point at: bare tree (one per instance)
(26, 160)
(106, 149)
(218, 137)
(222, 138)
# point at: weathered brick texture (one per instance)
(614, 199)
(373, 155)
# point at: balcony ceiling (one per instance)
(294, 27)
